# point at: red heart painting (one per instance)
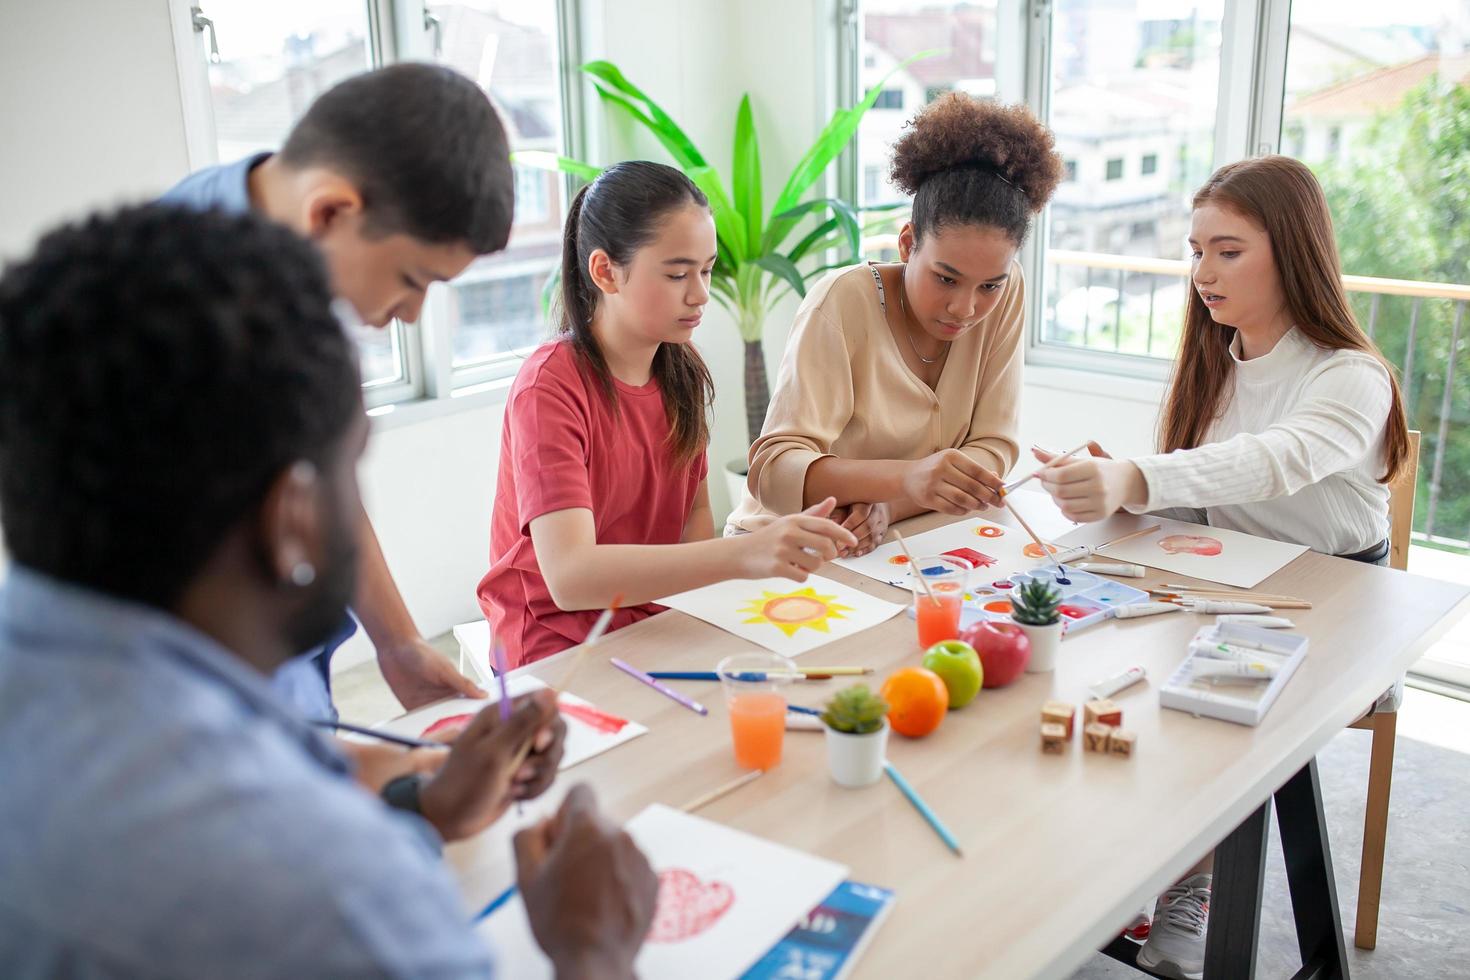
(450, 722)
(687, 906)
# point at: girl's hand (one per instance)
(794, 546)
(1091, 489)
(952, 483)
(868, 522)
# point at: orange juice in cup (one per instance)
(754, 684)
(937, 609)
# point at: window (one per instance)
(872, 183)
(1381, 113)
(277, 56)
(889, 98)
(962, 34)
(1123, 85)
(512, 50)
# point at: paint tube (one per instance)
(1112, 568)
(1224, 606)
(1072, 554)
(1112, 685)
(1140, 609)
(1231, 670)
(1264, 622)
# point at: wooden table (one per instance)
(1060, 851)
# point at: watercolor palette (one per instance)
(1086, 598)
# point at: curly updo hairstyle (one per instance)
(969, 161)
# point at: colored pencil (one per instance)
(593, 635)
(836, 671)
(923, 808)
(1007, 488)
(659, 686)
(914, 568)
(496, 903)
(802, 709)
(747, 675)
(404, 740)
(724, 790)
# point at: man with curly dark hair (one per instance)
(900, 388)
(180, 425)
(400, 176)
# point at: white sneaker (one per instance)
(1176, 943)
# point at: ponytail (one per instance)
(619, 213)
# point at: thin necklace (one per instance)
(902, 288)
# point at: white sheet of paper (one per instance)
(998, 538)
(783, 616)
(584, 739)
(725, 898)
(1210, 553)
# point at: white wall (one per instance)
(89, 110)
(91, 98)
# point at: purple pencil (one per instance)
(659, 686)
(499, 656)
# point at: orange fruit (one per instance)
(917, 701)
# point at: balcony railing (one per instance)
(1131, 305)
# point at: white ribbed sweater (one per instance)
(1296, 454)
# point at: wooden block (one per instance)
(1059, 713)
(1053, 739)
(1103, 711)
(1095, 737)
(1121, 742)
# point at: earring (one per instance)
(303, 574)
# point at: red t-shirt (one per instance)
(561, 447)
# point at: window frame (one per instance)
(1249, 94)
(398, 30)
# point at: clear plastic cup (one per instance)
(755, 686)
(938, 617)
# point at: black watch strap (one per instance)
(402, 793)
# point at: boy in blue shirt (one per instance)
(400, 177)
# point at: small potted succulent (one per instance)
(1034, 609)
(857, 736)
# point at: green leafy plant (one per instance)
(855, 710)
(755, 266)
(1035, 604)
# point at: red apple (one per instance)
(1003, 648)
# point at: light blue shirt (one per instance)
(162, 813)
(306, 681)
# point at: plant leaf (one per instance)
(542, 160)
(782, 266)
(745, 175)
(728, 226)
(832, 140)
(611, 84)
(842, 213)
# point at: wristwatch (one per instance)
(402, 793)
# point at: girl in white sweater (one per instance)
(1283, 420)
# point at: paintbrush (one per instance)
(1045, 548)
(593, 635)
(1055, 460)
(724, 790)
(404, 740)
(914, 569)
(1129, 536)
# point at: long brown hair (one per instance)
(1282, 196)
(619, 212)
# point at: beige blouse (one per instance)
(844, 390)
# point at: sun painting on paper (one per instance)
(790, 611)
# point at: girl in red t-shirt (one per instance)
(601, 490)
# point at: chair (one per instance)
(1382, 721)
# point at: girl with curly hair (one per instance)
(901, 383)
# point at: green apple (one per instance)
(958, 665)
